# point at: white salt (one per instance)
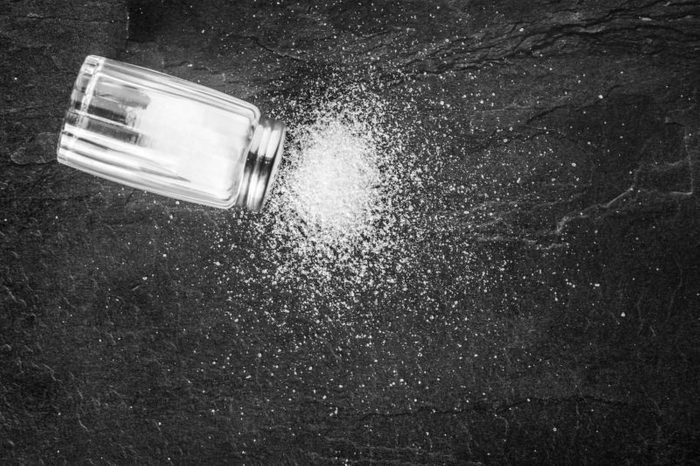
(332, 207)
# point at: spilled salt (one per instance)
(331, 212)
(334, 187)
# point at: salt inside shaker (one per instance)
(165, 135)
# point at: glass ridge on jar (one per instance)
(165, 135)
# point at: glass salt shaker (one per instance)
(165, 135)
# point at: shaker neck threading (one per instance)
(261, 164)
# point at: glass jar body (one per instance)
(162, 134)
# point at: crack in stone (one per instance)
(536, 37)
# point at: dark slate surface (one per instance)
(577, 344)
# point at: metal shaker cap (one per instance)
(261, 165)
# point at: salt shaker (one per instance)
(165, 135)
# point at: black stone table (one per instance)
(537, 300)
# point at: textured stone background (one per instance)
(575, 147)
